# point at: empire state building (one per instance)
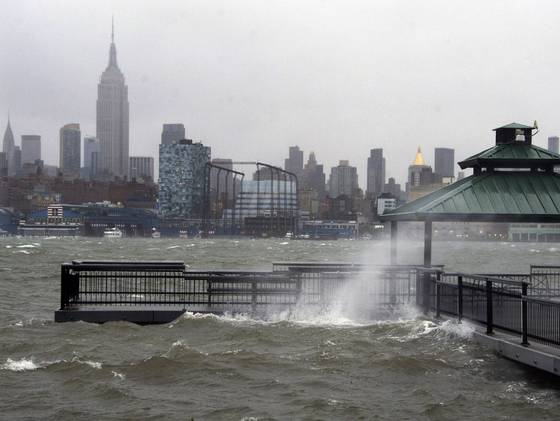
(112, 118)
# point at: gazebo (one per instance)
(513, 181)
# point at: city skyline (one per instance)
(184, 82)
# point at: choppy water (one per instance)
(207, 367)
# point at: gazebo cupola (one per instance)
(513, 181)
(514, 151)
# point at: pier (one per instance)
(518, 315)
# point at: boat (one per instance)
(183, 234)
(155, 233)
(112, 233)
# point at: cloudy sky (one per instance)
(250, 78)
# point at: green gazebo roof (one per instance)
(514, 154)
(514, 126)
(496, 196)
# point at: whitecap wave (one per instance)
(19, 365)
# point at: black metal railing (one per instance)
(102, 283)
(497, 303)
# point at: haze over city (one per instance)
(250, 79)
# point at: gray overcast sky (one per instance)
(250, 78)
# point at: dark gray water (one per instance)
(322, 366)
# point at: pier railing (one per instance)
(99, 283)
(496, 302)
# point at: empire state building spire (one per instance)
(113, 48)
(112, 118)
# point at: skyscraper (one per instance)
(8, 146)
(444, 162)
(30, 148)
(91, 147)
(112, 118)
(343, 180)
(313, 176)
(182, 178)
(294, 163)
(553, 144)
(172, 133)
(70, 150)
(375, 172)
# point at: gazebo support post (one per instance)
(394, 233)
(428, 243)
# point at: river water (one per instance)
(322, 366)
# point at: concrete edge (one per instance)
(519, 353)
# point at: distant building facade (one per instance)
(182, 178)
(141, 168)
(112, 119)
(553, 144)
(294, 163)
(30, 149)
(343, 180)
(91, 156)
(375, 172)
(313, 176)
(8, 146)
(172, 133)
(444, 163)
(70, 150)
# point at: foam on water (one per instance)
(19, 365)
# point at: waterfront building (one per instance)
(182, 178)
(112, 118)
(218, 180)
(8, 146)
(444, 162)
(172, 133)
(375, 172)
(91, 155)
(385, 202)
(313, 176)
(553, 144)
(294, 163)
(30, 149)
(343, 180)
(70, 150)
(141, 168)
(265, 207)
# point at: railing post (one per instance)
(489, 309)
(426, 291)
(438, 295)
(254, 296)
(64, 279)
(525, 341)
(209, 291)
(460, 297)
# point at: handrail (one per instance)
(477, 277)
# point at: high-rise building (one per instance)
(8, 146)
(375, 172)
(16, 160)
(30, 148)
(393, 188)
(343, 180)
(294, 163)
(553, 144)
(182, 179)
(172, 133)
(141, 168)
(3, 164)
(112, 118)
(313, 176)
(91, 147)
(444, 163)
(70, 155)
(419, 173)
